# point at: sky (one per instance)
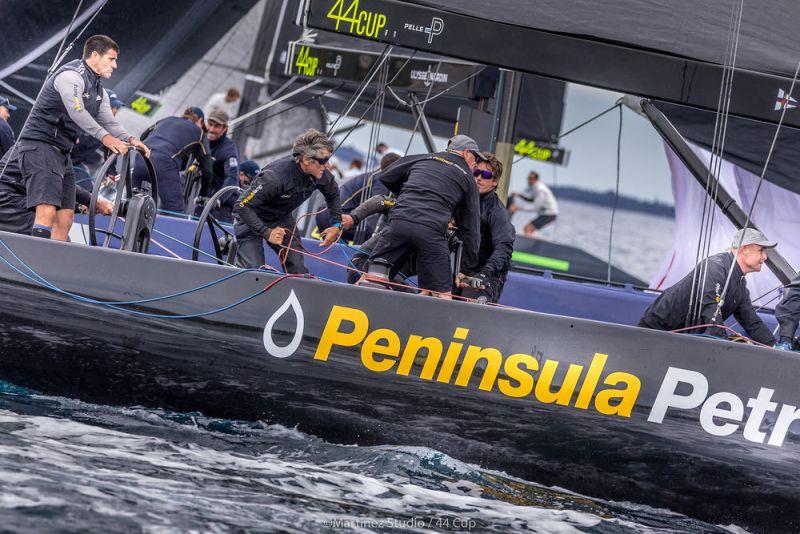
(592, 165)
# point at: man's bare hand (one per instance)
(104, 207)
(330, 235)
(513, 208)
(347, 222)
(529, 230)
(138, 144)
(460, 277)
(276, 236)
(114, 145)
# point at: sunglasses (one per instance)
(486, 175)
(322, 161)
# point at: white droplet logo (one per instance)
(291, 348)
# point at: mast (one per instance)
(775, 261)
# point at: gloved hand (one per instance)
(782, 345)
(478, 282)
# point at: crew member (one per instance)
(6, 132)
(539, 199)
(264, 210)
(788, 315)
(171, 141)
(248, 170)
(431, 189)
(671, 310)
(497, 235)
(224, 153)
(72, 100)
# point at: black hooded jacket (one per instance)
(497, 237)
(433, 188)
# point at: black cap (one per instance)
(4, 101)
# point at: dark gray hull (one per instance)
(222, 366)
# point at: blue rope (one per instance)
(187, 245)
(117, 305)
(178, 214)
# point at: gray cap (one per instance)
(218, 115)
(752, 237)
(464, 142)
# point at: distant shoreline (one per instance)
(606, 199)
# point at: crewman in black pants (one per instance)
(71, 101)
(171, 140)
(264, 210)
(431, 190)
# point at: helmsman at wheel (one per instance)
(72, 100)
(264, 210)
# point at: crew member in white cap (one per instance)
(671, 310)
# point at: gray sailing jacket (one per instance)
(72, 101)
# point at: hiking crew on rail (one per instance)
(671, 310)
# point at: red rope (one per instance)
(724, 327)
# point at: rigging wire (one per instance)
(717, 171)
(713, 178)
(422, 108)
(69, 30)
(363, 87)
(616, 194)
(758, 187)
(374, 101)
(372, 153)
(388, 88)
(578, 127)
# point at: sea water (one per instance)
(74, 467)
(640, 242)
(69, 466)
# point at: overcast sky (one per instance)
(592, 164)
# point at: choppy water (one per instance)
(70, 466)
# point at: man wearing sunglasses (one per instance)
(431, 189)
(497, 235)
(264, 209)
